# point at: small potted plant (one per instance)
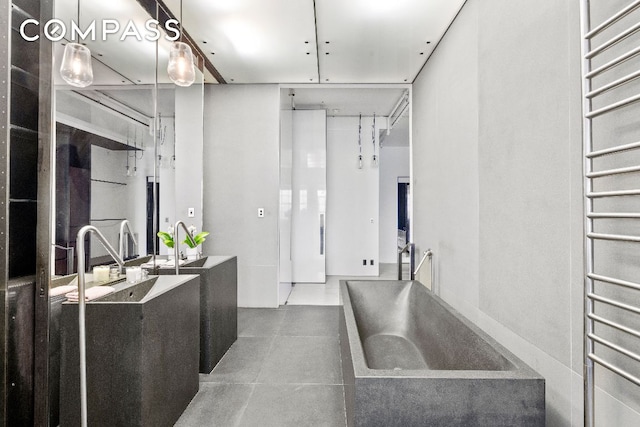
(192, 252)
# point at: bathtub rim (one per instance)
(361, 370)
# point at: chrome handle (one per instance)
(321, 234)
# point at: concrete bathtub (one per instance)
(409, 359)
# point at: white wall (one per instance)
(498, 190)
(241, 174)
(352, 199)
(189, 147)
(167, 179)
(394, 163)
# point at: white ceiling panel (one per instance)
(255, 41)
(346, 102)
(379, 41)
(116, 61)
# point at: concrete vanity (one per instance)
(142, 354)
(218, 305)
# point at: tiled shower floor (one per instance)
(284, 370)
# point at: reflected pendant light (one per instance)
(360, 141)
(374, 160)
(76, 66)
(181, 69)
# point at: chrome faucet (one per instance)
(81, 310)
(126, 224)
(176, 242)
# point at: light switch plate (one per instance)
(260, 212)
(191, 212)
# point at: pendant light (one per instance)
(181, 69)
(76, 63)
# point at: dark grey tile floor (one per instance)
(284, 370)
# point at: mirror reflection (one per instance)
(128, 156)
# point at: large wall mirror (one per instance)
(128, 147)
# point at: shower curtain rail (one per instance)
(594, 344)
(613, 19)
(610, 172)
(613, 237)
(613, 281)
(614, 215)
(618, 193)
(614, 303)
(614, 325)
(613, 63)
(614, 84)
(613, 150)
(615, 106)
(615, 369)
(613, 41)
(616, 347)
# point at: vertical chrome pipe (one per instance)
(82, 341)
(412, 261)
(123, 224)
(588, 323)
(176, 242)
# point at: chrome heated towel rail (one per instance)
(610, 88)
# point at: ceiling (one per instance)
(317, 41)
(348, 56)
(277, 41)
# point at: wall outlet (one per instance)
(364, 262)
(260, 212)
(191, 212)
(370, 262)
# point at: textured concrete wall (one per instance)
(497, 161)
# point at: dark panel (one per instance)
(20, 352)
(23, 165)
(24, 54)
(32, 7)
(22, 238)
(24, 107)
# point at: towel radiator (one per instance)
(611, 168)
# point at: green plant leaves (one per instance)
(167, 238)
(198, 239)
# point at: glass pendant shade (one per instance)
(76, 65)
(181, 69)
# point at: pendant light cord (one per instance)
(373, 135)
(360, 134)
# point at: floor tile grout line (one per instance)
(238, 423)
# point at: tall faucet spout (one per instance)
(176, 242)
(81, 310)
(125, 224)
